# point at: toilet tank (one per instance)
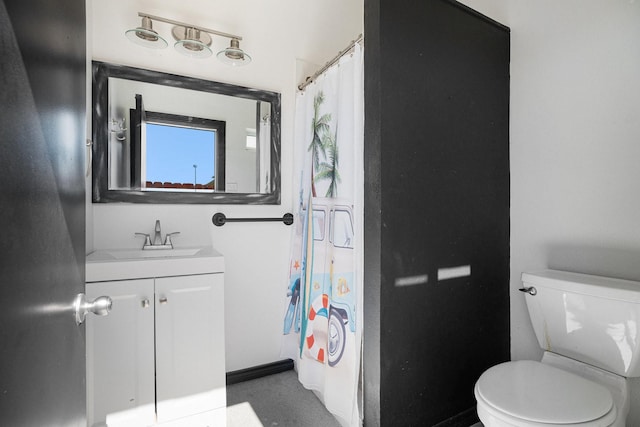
(592, 319)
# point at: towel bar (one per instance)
(220, 219)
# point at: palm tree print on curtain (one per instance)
(328, 170)
(323, 144)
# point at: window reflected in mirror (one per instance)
(180, 156)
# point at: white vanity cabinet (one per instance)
(158, 357)
(190, 369)
(121, 355)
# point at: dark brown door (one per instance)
(42, 212)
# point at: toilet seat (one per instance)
(530, 393)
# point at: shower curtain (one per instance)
(323, 315)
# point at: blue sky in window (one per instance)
(172, 151)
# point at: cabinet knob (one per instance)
(145, 303)
(163, 300)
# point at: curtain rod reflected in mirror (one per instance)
(164, 138)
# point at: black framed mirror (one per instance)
(165, 138)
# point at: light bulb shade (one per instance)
(233, 55)
(193, 48)
(192, 42)
(146, 36)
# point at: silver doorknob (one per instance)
(145, 303)
(163, 300)
(100, 306)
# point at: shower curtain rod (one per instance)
(326, 66)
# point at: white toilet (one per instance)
(588, 327)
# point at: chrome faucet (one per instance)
(157, 235)
(157, 239)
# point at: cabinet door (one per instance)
(120, 368)
(190, 372)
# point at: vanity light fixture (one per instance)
(191, 40)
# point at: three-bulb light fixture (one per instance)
(191, 40)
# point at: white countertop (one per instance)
(122, 264)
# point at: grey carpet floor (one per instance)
(275, 400)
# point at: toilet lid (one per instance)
(540, 393)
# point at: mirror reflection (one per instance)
(171, 145)
(167, 138)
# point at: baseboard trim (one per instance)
(259, 371)
(463, 419)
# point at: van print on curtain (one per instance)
(322, 319)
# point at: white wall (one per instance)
(285, 38)
(575, 144)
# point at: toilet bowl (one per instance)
(527, 393)
(582, 379)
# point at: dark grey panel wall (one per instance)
(372, 228)
(441, 119)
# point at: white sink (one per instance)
(121, 264)
(152, 253)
